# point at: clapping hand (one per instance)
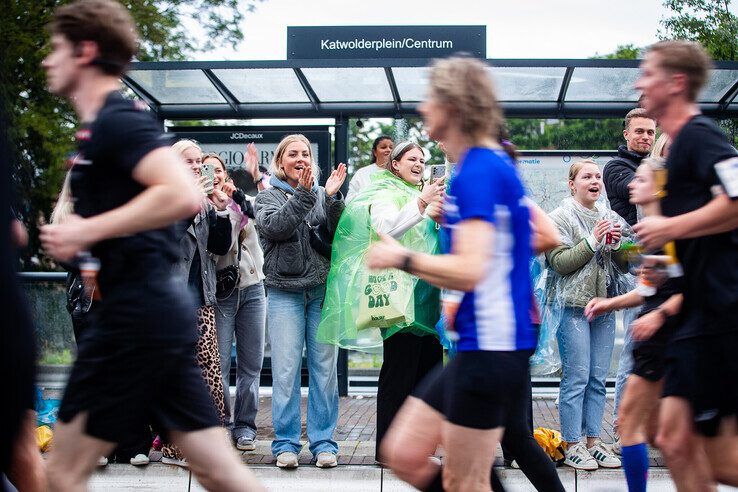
(251, 162)
(335, 180)
(601, 228)
(306, 178)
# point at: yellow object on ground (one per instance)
(44, 436)
(551, 442)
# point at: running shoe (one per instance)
(326, 460)
(617, 448)
(578, 457)
(604, 456)
(287, 460)
(102, 461)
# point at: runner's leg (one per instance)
(74, 455)
(722, 452)
(410, 441)
(467, 467)
(676, 441)
(214, 462)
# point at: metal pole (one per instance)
(340, 154)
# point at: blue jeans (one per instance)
(293, 323)
(243, 314)
(586, 349)
(625, 362)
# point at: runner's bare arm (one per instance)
(545, 235)
(462, 269)
(718, 216)
(170, 195)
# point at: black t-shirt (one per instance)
(710, 262)
(136, 271)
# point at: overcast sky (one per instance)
(515, 28)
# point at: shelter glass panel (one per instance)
(263, 85)
(177, 86)
(359, 84)
(528, 83)
(603, 84)
(412, 82)
(719, 83)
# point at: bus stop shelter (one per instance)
(393, 88)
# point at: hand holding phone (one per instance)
(208, 172)
(437, 172)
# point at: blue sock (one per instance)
(635, 464)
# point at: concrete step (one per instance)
(350, 478)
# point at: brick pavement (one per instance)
(356, 430)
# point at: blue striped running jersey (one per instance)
(495, 316)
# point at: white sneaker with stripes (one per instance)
(578, 457)
(602, 453)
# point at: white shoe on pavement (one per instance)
(287, 459)
(604, 455)
(140, 460)
(578, 457)
(245, 444)
(102, 461)
(326, 460)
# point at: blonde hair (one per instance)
(655, 164)
(279, 154)
(64, 205)
(577, 166)
(686, 57)
(466, 85)
(660, 145)
(181, 145)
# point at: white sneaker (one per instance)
(102, 461)
(326, 460)
(140, 460)
(174, 461)
(616, 447)
(578, 457)
(287, 460)
(514, 464)
(245, 444)
(604, 455)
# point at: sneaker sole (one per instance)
(611, 465)
(250, 447)
(327, 465)
(175, 462)
(287, 465)
(140, 463)
(580, 466)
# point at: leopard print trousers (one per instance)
(208, 359)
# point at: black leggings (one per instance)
(407, 360)
(518, 444)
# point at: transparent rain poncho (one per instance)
(362, 307)
(581, 276)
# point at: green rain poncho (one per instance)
(362, 307)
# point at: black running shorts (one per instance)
(478, 389)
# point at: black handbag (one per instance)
(320, 240)
(226, 279)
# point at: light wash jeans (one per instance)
(243, 314)
(625, 362)
(586, 349)
(293, 323)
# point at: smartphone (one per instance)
(208, 170)
(437, 171)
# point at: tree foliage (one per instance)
(41, 126)
(708, 21)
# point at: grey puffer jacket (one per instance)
(282, 216)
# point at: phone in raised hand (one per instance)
(437, 172)
(208, 171)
